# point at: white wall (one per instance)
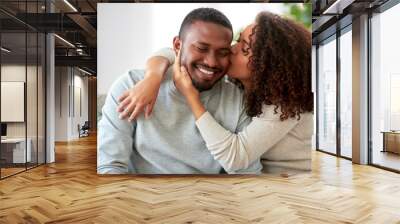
(69, 79)
(61, 103)
(80, 83)
(127, 34)
(12, 73)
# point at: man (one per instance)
(169, 142)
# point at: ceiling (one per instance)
(74, 21)
(328, 16)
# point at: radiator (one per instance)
(391, 142)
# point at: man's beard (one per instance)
(199, 87)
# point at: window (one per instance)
(22, 66)
(385, 89)
(327, 96)
(346, 93)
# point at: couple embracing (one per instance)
(209, 107)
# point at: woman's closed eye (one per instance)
(245, 51)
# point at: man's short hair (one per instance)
(206, 15)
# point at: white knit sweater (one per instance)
(283, 146)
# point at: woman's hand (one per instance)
(141, 97)
(182, 80)
(184, 84)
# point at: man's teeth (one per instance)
(206, 71)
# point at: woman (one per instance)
(271, 62)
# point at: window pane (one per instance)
(41, 98)
(15, 150)
(31, 97)
(345, 94)
(327, 97)
(385, 86)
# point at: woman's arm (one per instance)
(237, 151)
(144, 94)
(233, 151)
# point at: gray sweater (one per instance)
(169, 142)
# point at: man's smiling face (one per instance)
(205, 50)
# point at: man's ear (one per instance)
(177, 43)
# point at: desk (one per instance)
(391, 141)
(13, 150)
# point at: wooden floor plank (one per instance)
(70, 191)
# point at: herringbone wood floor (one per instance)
(70, 191)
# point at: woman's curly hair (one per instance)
(280, 67)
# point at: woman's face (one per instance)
(241, 53)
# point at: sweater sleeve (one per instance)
(115, 136)
(167, 53)
(235, 151)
